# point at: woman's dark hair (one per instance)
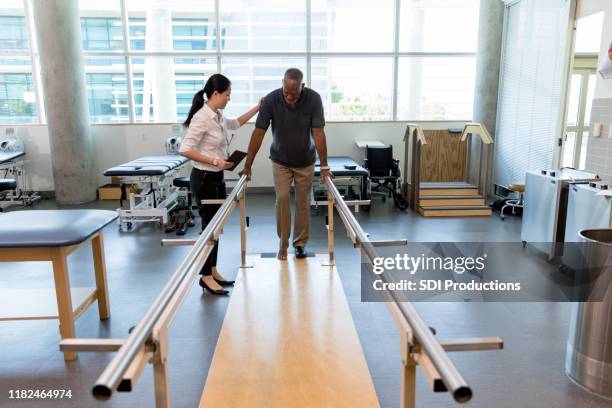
(216, 82)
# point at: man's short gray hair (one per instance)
(294, 74)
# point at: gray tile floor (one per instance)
(527, 373)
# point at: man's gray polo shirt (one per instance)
(292, 142)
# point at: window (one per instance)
(436, 88)
(438, 26)
(17, 94)
(171, 25)
(101, 34)
(387, 60)
(13, 33)
(274, 25)
(588, 33)
(578, 122)
(190, 75)
(193, 34)
(101, 26)
(17, 102)
(358, 25)
(354, 88)
(159, 100)
(137, 31)
(254, 77)
(107, 90)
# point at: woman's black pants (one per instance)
(207, 185)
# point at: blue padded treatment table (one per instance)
(342, 166)
(6, 157)
(148, 166)
(13, 163)
(51, 235)
(51, 228)
(337, 167)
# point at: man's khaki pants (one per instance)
(283, 177)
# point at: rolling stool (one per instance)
(181, 227)
(517, 188)
(6, 185)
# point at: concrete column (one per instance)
(58, 33)
(488, 58)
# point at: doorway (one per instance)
(581, 91)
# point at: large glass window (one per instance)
(387, 60)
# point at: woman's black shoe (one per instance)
(213, 291)
(224, 282)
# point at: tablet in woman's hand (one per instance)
(236, 158)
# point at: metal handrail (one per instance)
(115, 370)
(426, 340)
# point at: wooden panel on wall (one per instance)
(443, 157)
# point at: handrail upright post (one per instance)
(243, 230)
(160, 370)
(409, 364)
(408, 384)
(330, 226)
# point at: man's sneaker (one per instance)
(300, 252)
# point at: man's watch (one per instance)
(215, 162)
(324, 168)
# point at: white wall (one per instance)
(116, 144)
(587, 7)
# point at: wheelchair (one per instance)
(384, 174)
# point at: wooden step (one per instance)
(451, 201)
(448, 189)
(456, 211)
(449, 192)
(449, 184)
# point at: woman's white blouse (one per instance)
(208, 135)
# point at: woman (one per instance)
(206, 143)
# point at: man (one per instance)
(297, 120)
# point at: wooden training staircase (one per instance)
(439, 163)
(457, 199)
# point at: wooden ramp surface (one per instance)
(288, 340)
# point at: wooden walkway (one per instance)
(288, 340)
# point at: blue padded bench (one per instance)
(51, 235)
